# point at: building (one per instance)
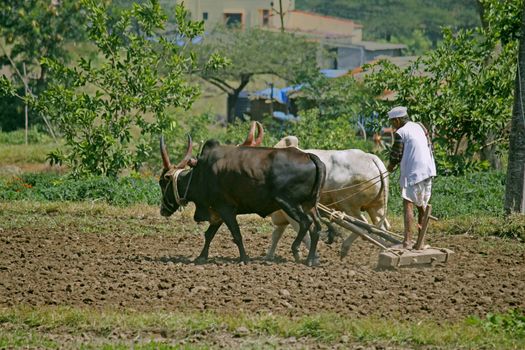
(243, 13)
(341, 37)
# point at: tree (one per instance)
(141, 74)
(510, 16)
(332, 98)
(34, 29)
(254, 52)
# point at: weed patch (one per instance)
(511, 323)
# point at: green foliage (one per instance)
(6, 87)
(333, 98)
(312, 327)
(54, 188)
(503, 18)
(38, 28)
(457, 165)
(324, 133)
(142, 75)
(510, 323)
(32, 30)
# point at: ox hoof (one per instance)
(312, 262)
(200, 260)
(269, 258)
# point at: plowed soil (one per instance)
(146, 272)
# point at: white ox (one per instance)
(356, 181)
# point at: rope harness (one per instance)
(173, 174)
(356, 185)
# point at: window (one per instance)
(265, 18)
(205, 16)
(233, 19)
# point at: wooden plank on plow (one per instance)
(406, 257)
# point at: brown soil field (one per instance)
(109, 267)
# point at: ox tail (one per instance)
(383, 222)
(320, 176)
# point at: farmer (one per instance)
(412, 149)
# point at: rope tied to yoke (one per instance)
(358, 192)
(359, 184)
(336, 215)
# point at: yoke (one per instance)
(391, 255)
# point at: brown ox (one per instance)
(226, 181)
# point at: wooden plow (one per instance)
(392, 254)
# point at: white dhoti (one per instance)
(418, 193)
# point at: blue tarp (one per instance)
(282, 95)
(333, 73)
(285, 117)
(279, 94)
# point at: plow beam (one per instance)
(359, 227)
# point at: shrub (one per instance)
(50, 187)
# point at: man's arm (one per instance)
(396, 152)
(427, 135)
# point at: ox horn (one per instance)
(260, 134)
(187, 156)
(164, 153)
(249, 138)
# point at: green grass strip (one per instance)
(45, 327)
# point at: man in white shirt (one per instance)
(412, 150)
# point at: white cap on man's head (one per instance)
(397, 112)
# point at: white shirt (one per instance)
(417, 163)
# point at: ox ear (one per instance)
(249, 138)
(164, 154)
(187, 156)
(260, 135)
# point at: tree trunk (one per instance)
(514, 196)
(230, 106)
(490, 153)
(233, 97)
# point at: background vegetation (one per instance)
(389, 20)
